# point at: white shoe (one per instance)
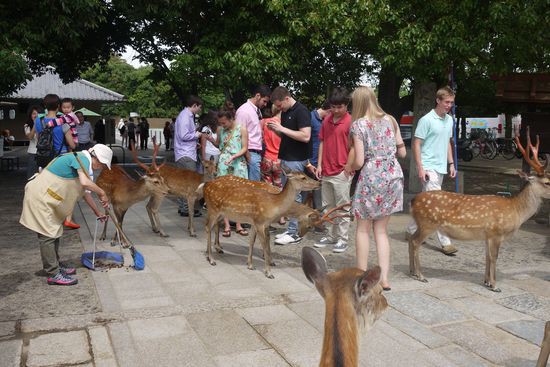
(323, 242)
(340, 246)
(288, 239)
(277, 236)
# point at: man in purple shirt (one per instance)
(249, 116)
(185, 144)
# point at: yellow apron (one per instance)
(47, 202)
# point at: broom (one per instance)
(139, 261)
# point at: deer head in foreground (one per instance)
(227, 197)
(123, 191)
(353, 299)
(478, 217)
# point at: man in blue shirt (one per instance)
(433, 153)
(317, 117)
(62, 136)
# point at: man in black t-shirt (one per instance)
(295, 148)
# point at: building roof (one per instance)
(80, 89)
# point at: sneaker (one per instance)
(62, 279)
(323, 242)
(340, 246)
(448, 250)
(67, 270)
(280, 235)
(288, 239)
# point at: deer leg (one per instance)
(218, 245)
(120, 218)
(191, 210)
(103, 235)
(414, 253)
(210, 222)
(268, 247)
(267, 257)
(493, 245)
(251, 241)
(153, 211)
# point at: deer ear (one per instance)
(314, 265)
(367, 281)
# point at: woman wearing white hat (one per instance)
(51, 194)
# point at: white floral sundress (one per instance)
(379, 190)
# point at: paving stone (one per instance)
(486, 310)
(507, 290)
(538, 286)
(7, 329)
(59, 348)
(123, 343)
(181, 350)
(490, 343)
(295, 340)
(462, 358)
(380, 348)
(414, 329)
(225, 332)
(529, 304)
(312, 312)
(423, 308)
(267, 314)
(266, 357)
(143, 290)
(101, 344)
(10, 353)
(161, 327)
(57, 323)
(175, 271)
(445, 293)
(530, 330)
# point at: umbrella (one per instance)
(87, 112)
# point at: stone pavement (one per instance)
(180, 311)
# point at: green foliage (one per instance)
(70, 35)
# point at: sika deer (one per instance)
(476, 217)
(182, 183)
(353, 299)
(123, 191)
(241, 203)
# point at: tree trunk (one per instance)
(388, 92)
(424, 101)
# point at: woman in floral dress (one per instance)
(379, 193)
(232, 140)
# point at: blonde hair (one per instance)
(444, 92)
(365, 104)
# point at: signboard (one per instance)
(485, 123)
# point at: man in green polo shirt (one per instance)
(433, 153)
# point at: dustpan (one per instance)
(97, 260)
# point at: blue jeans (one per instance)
(254, 173)
(294, 166)
(191, 165)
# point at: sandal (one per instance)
(226, 233)
(242, 232)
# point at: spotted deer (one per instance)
(353, 301)
(182, 183)
(242, 203)
(124, 191)
(478, 217)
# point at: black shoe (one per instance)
(197, 213)
(183, 214)
(245, 225)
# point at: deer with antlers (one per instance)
(353, 300)
(476, 217)
(242, 203)
(123, 191)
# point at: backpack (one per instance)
(122, 130)
(44, 146)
